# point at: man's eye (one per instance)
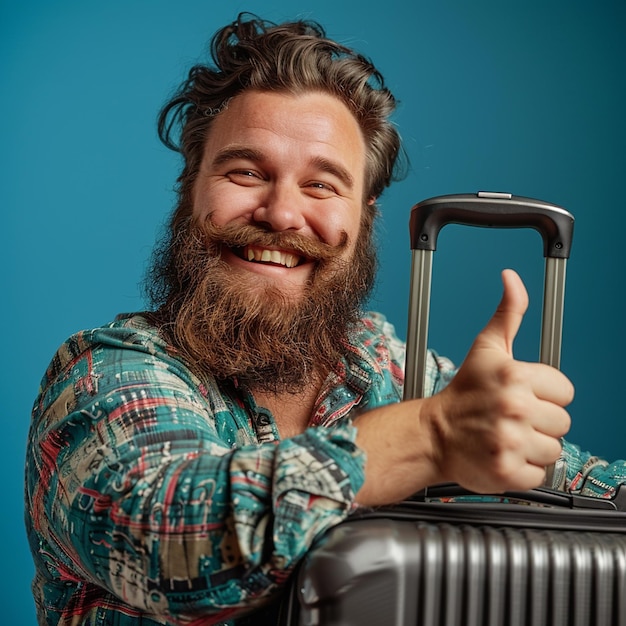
(247, 173)
(322, 189)
(244, 176)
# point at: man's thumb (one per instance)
(503, 326)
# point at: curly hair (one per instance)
(292, 57)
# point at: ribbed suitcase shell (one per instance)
(398, 572)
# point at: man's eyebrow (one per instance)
(233, 153)
(334, 168)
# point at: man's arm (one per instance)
(132, 491)
(494, 427)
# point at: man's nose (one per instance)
(282, 209)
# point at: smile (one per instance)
(256, 254)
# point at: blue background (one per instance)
(526, 97)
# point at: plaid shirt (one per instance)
(156, 495)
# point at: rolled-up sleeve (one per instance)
(581, 472)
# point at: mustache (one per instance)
(241, 235)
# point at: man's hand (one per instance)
(500, 420)
(495, 427)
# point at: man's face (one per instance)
(289, 165)
(268, 278)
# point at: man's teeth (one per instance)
(272, 256)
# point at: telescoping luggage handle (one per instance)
(486, 209)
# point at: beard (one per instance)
(232, 324)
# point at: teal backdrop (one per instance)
(520, 96)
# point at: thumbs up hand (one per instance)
(498, 424)
(493, 428)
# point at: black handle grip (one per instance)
(492, 210)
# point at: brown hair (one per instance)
(293, 57)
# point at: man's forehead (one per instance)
(314, 127)
(307, 112)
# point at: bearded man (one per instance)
(182, 461)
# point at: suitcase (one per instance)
(541, 557)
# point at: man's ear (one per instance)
(371, 200)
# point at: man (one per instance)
(182, 461)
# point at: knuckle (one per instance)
(510, 406)
(511, 374)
